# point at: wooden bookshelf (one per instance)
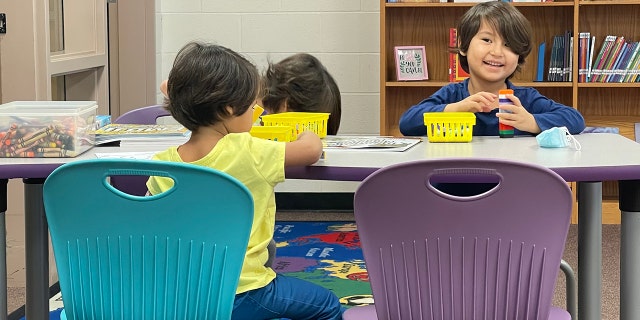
(421, 23)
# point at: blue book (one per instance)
(540, 63)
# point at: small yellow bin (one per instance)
(275, 133)
(299, 121)
(449, 126)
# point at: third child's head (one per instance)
(494, 39)
(301, 83)
(209, 84)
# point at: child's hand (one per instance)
(518, 117)
(479, 102)
(304, 151)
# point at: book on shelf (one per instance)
(370, 143)
(616, 67)
(555, 61)
(540, 62)
(625, 65)
(568, 57)
(600, 59)
(592, 46)
(456, 73)
(632, 70)
(583, 55)
(144, 133)
(611, 59)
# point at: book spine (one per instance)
(611, 59)
(633, 61)
(583, 51)
(622, 60)
(540, 63)
(452, 56)
(633, 71)
(632, 51)
(570, 54)
(566, 56)
(600, 60)
(554, 61)
(592, 46)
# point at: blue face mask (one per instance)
(557, 137)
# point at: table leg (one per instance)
(629, 197)
(3, 249)
(36, 251)
(589, 250)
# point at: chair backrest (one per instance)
(136, 185)
(144, 115)
(174, 255)
(431, 255)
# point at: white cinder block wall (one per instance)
(343, 34)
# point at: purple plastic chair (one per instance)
(493, 255)
(136, 185)
(144, 115)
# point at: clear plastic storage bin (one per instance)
(38, 129)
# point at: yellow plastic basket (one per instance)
(299, 121)
(275, 133)
(449, 126)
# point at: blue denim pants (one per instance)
(287, 297)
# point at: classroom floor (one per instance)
(15, 261)
(611, 233)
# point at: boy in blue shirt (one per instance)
(494, 40)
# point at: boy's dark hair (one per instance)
(304, 85)
(205, 79)
(511, 24)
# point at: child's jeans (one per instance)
(287, 297)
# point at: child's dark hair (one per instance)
(511, 24)
(303, 84)
(205, 79)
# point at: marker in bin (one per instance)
(505, 131)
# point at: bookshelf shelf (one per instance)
(602, 104)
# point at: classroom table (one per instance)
(603, 157)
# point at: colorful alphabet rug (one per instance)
(325, 253)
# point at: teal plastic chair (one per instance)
(172, 255)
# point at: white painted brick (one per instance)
(319, 6)
(171, 6)
(371, 5)
(178, 29)
(360, 114)
(350, 32)
(241, 6)
(354, 72)
(281, 33)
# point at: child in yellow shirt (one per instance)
(211, 91)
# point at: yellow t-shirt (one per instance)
(259, 165)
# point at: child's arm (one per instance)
(304, 151)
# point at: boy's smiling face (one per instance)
(489, 57)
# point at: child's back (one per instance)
(212, 91)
